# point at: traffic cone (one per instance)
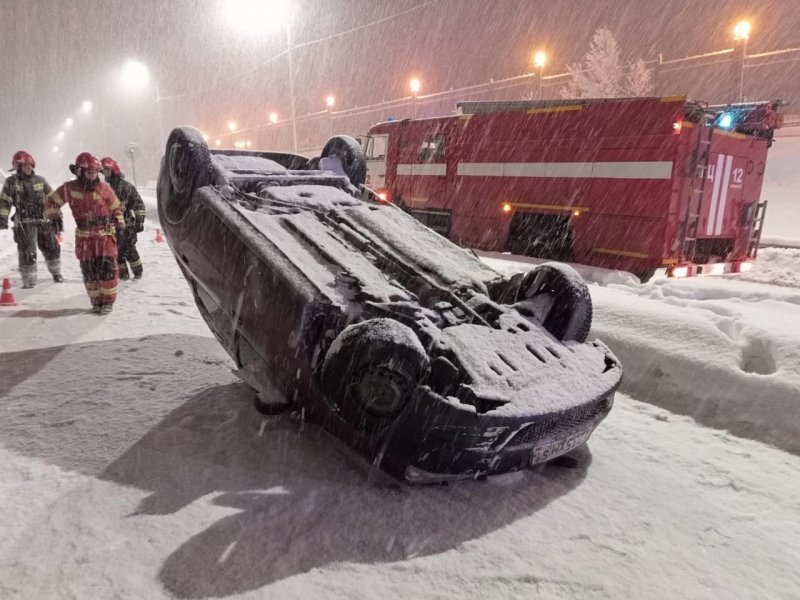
(7, 298)
(159, 236)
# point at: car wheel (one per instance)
(349, 152)
(558, 298)
(371, 372)
(186, 166)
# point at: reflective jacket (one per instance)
(132, 206)
(26, 193)
(97, 213)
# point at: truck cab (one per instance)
(375, 147)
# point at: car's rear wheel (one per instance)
(558, 298)
(186, 166)
(371, 371)
(350, 154)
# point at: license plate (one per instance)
(545, 452)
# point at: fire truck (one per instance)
(635, 184)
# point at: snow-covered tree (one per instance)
(602, 74)
(639, 80)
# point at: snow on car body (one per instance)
(399, 342)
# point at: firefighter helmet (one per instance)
(22, 158)
(110, 164)
(87, 160)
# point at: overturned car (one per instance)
(352, 312)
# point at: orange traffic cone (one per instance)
(7, 298)
(159, 236)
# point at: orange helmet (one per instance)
(111, 164)
(22, 158)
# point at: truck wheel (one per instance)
(349, 152)
(645, 276)
(186, 166)
(371, 371)
(557, 297)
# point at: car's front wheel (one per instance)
(371, 371)
(186, 166)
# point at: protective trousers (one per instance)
(100, 279)
(128, 254)
(30, 235)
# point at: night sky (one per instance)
(55, 54)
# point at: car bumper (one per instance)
(484, 445)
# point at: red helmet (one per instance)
(22, 158)
(87, 160)
(111, 164)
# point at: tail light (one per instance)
(383, 195)
(680, 272)
(677, 126)
(505, 207)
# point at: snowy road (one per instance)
(132, 464)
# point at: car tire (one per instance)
(313, 163)
(349, 152)
(186, 166)
(371, 371)
(559, 300)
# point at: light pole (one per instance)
(539, 62)
(415, 85)
(253, 16)
(136, 76)
(291, 84)
(330, 102)
(741, 33)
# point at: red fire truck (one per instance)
(630, 183)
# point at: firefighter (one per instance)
(26, 192)
(134, 213)
(98, 217)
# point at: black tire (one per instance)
(349, 152)
(313, 163)
(645, 276)
(186, 166)
(371, 371)
(559, 299)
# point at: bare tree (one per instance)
(602, 74)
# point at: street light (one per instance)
(86, 106)
(232, 126)
(68, 122)
(415, 85)
(330, 101)
(253, 16)
(136, 76)
(273, 117)
(741, 33)
(539, 62)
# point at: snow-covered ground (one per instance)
(132, 464)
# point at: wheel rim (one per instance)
(379, 391)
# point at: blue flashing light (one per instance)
(725, 121)
(390, 119)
